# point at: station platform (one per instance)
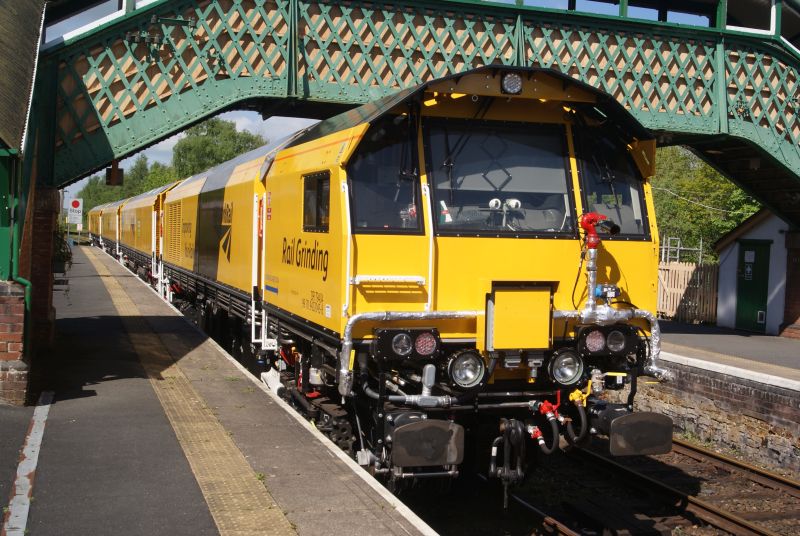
(153, 429)
(768, 359)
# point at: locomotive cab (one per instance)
(478, 251)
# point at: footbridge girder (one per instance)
(732, 96)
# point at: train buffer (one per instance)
(153, 429)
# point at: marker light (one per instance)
(616, 341)
(401, 344)
(425, 344)
(511, 83)
(566, 367)
(466, 369)
(595, 341)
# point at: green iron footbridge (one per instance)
(157, 67)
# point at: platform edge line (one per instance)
(16, 519)
(398, 505)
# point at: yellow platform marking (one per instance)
(238, 502)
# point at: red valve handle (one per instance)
(588, 222)
(547, 407)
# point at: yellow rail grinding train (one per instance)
(477, 253)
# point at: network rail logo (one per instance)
(227, 227)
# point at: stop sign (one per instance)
(75, 211)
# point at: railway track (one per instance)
(730, 495)
(671, 478)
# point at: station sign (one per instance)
(75, 211)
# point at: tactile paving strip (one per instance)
(239, 503)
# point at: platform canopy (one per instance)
(20, 26)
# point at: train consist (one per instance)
(453, 272)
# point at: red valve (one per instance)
(536, 433)
(547, 407)
(588, 222)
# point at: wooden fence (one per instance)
(687, 292)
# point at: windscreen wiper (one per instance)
(607, 177)
(450, 158)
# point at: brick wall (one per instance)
(757, 421)
(45, 215)
(13, 370)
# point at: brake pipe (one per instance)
(578, 398)
(606, 315)
(546, 409)
(536, 435)
(575, 439)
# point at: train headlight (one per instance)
(616, 341)
(566, 367)
(466, 369)
(425, 344)
(595, 341)
(402, 345)
(511, 83)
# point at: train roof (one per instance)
(149, 196)
(218, 176)
(606, 105)
(97, 208)
(115, 204)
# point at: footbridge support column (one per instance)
(46, 208)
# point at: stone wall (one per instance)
(757, 421)
(13, 370)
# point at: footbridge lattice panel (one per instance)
(147, 76)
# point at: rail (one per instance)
(704, 510)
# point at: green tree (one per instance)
(205, 145)
(694, 202)
(135, 177)
(97, 193)
(210, 143)
(159, 175)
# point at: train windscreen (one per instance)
(611, 183)
(492, 177)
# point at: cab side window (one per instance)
(383, 178)
(316, 202)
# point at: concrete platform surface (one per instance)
(765, 355)
(14, 422)
(154, 430)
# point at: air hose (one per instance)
(572, 438)
(551, 448)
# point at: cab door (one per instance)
(391, 248)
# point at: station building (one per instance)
(759, 276)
